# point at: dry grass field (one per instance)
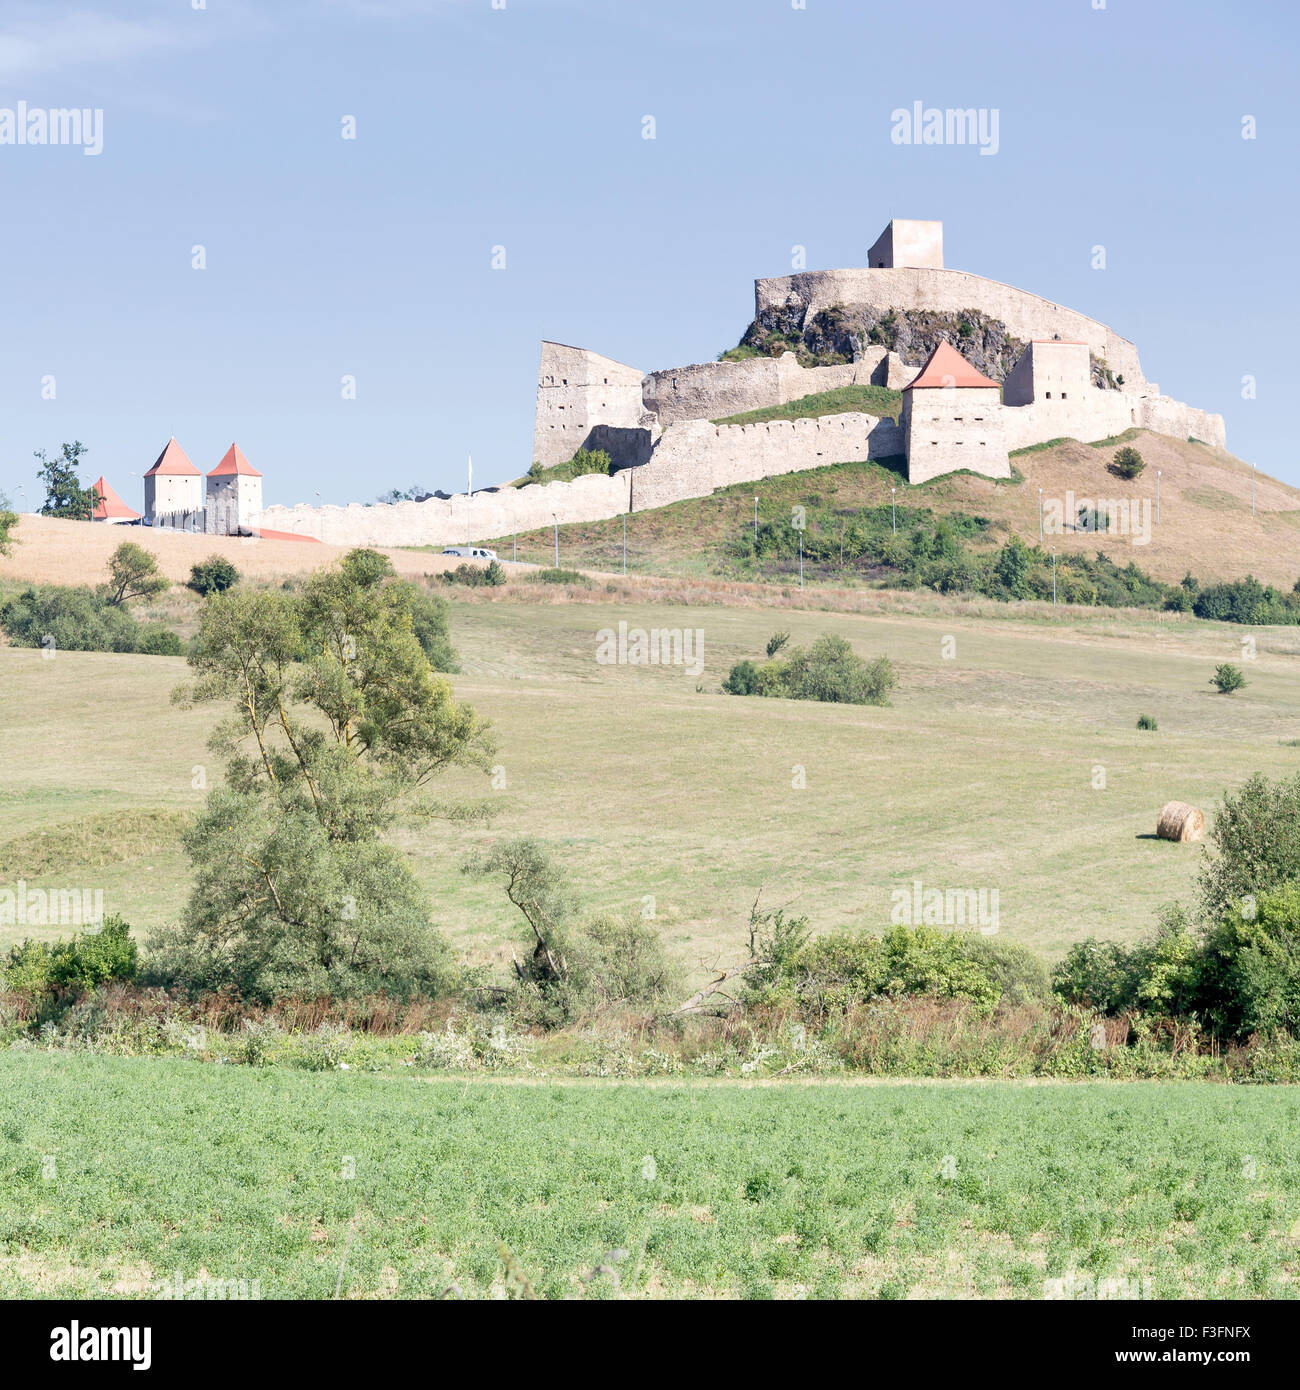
(47, 551)
(650, 784)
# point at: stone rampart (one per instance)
(1026, 315)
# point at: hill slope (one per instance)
(1206, 525)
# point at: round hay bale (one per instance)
(1179, 821)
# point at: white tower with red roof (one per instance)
(173, 491)
(234, 494)
(952, 420)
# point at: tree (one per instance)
(337, 722)
(1254, 845)
(133, 573)
(1127, 462)
(1228, 678)
(1011, 568)
(214, 575)
(64, 495)
(8, 520)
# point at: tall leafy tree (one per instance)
(64, 495)
(336, 724)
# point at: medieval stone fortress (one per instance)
(175, 495)
(984, 369)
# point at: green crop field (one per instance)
(116, 1174)
(981, 774)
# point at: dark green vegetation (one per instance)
(42, 974)
(1213, 992)
(870, 400)
(54, 617)
(214, 575)
(583, 462)
(492, 575)
(912, 548)
(64, 495)
(1227, 678)
(327, 1184)
(1127, 463)
(8, 520)
(80, 620)
(829, 670)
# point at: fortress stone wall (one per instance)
(725, 454)
(658, 430)
(689, 459)
(1027, 316)
(577, 389)
(1101, 414)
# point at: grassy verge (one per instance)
(870, 400)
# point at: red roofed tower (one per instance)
(110, 506)
(173, 490)
(234, 494)
(952, 420)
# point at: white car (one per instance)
(470, 552)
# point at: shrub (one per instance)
(1127, 463)
(841, 969)
(1147, 721)
(742, 680)
(476, 576)
(1227, 678)
(828, 671)
(39, 969)
(1100, 975)
(214, 575)
(79, 620)
(588, 461)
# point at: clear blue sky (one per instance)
(522, 127)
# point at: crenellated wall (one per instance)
(694, 458)
(1098, 414)
(690, 459)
